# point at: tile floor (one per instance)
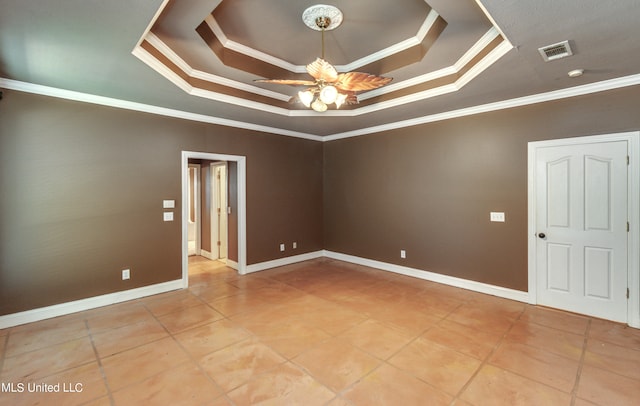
(321, 332)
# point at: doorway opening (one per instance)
(214, 211)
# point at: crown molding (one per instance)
(146, 108)
(590, 88)
(611, 84)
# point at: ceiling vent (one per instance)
(555, 51)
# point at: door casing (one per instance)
(633, 270)
(241, 185)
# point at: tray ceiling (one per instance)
(198, 59)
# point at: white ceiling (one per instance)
(485, 57)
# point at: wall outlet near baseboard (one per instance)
(281, 247)
(403, 254)
(295, 245)
(126, 274)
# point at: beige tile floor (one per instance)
(321, 332)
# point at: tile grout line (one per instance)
(485, 361)
(99, 361)
(191, 358)
(574, 391)
(386, 360)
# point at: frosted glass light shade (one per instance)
(306, 97)
(328, 94)
(319, 106)
(340, 100)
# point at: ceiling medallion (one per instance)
(328, 87)
(311, 15)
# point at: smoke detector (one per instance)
(555, 51)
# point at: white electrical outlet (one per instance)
(168, 204)
(295, 245)
(167, 216)
(403, 254)
(126, 274)
(497, 217)
(281, 247)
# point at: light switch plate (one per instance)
(497, 217)
(167, 216)
(168, 204)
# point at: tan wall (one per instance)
(81, 190)
(429, 189)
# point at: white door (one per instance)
(219, 210)
(582, 228)
(193, 220)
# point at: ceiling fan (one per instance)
(329, 86)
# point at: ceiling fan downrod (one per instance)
(323, 22)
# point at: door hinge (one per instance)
(628, 160)
(628, 227)
(627, 293)
(219, 244)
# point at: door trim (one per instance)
(241, 184)
(633, 241)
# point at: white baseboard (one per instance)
(283, 261)
(30, 316)
(232, 264)
(207, 254)
(434, 277)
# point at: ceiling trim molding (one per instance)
(454, 69)
(169, 53)
(146, 108)
(590, 88)
(188, 88)
(182, 71)
(250, 52)
(429, 22)
(612, 84)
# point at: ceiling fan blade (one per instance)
(352, 98)
(292, 82)
(322, 70)
(359, 81)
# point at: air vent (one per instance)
(555, 51)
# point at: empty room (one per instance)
(243, 202)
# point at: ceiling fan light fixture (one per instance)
(306, 97)
(328, 86)
(329, 94)
(319, 106)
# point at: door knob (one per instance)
(542, 235)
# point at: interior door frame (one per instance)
(633, 208)
(241, 185)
